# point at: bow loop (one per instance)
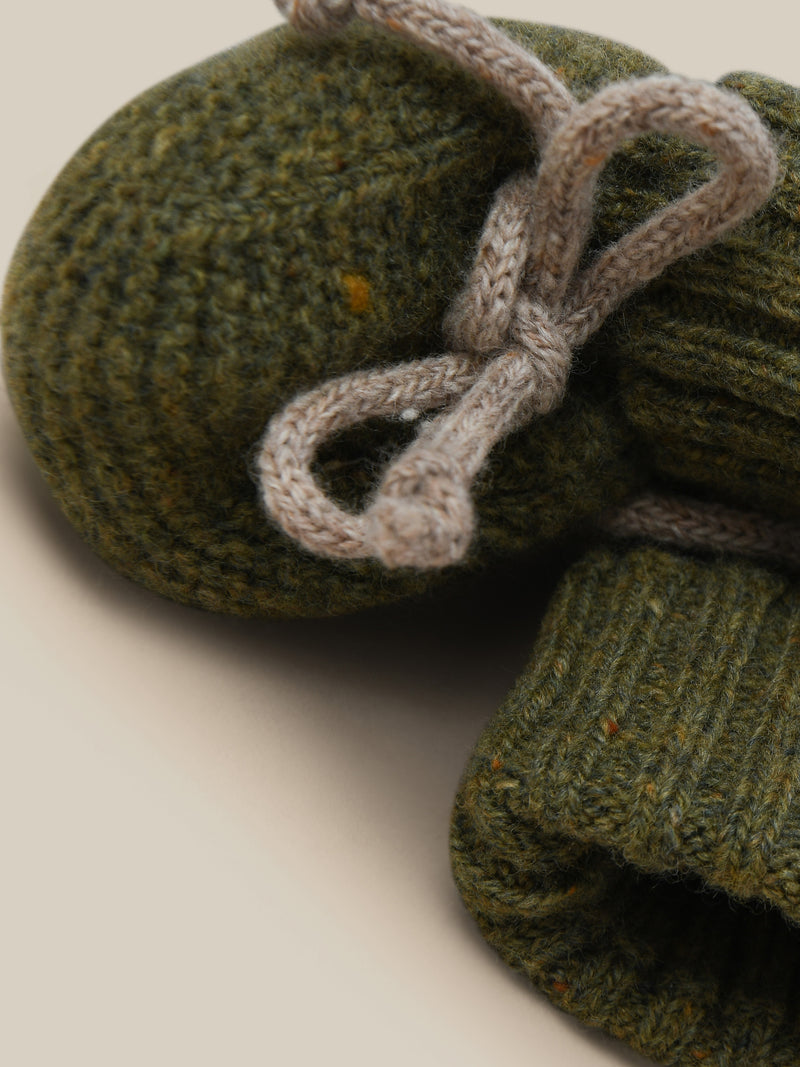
(526, 305)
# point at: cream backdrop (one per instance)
(225, 842)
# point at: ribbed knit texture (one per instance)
(626, 833)
(709, 353)
(291, 210)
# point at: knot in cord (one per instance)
(526, 305)
(545, 343)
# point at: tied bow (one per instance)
(526, 306)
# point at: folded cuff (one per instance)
(627, 833)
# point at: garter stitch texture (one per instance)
(283, 212)
(292, 210)
(626, 832)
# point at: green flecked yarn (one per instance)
(285, 212)
(626, 832)
(710, 353)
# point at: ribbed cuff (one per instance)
(628, 829)
(709, 354)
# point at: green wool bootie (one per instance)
(297, 208)
(627, 833)
(282, 213)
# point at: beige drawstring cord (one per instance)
(526, 306)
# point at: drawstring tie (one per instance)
(526, 306)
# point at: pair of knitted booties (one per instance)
(627, 832)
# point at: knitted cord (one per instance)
(526, 305)
(456, 33)
(686, 523)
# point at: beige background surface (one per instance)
(226, 842)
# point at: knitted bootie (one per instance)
(282, 213)
(278, 215)
(627, 833)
